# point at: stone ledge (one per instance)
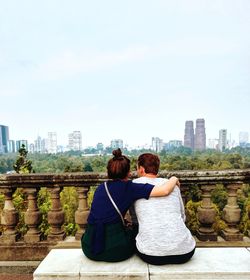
(207, 263)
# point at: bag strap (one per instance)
(112, 201)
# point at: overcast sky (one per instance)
(124, 69)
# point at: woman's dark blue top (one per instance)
(102, 211)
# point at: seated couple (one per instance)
(160, 237)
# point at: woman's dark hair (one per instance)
(150, 162)
(118, 167)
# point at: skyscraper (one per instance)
(75, 141)
(157, 144)
(200, 135)
(189, 135)
(4, 138)
(52, 143)
(222, 139)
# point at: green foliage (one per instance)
(69, 204)
(193, 193)
(191, 212)
(192, 219)
(44, 205)
(20, 203)
(22, 164)
(90, 196)
(245, 221)
(219, 196)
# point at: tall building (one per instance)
(116, 143)
(157, 144)
(52, 142)
(19, 144)
(4, 139)
(200, 135)
(189, 135)
(38, 145)
(222, 139)
(44, 146)
(11, 146)
(75, 141)
(243, 138)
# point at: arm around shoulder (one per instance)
(166, 188)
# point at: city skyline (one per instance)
(74, 141)
(132, 70)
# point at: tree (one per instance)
(22, 164)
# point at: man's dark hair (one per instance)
(150, 162)
(118, 167)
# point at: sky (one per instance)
(124, 69)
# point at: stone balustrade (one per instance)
(30, 184)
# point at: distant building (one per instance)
(75, 141)
(200, 135)
(38, 145)
(172, 144)
(222, 139)
(44, 146)
(19, 144)
(11, 146)
(116, 143)
(100, 147)
(4, 139)
(213, 144)
(52, 143)
(157, 144)
(32, 148)
(189, 135)
(243, 138)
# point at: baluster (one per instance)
(56, 216)
(32, 217)
(9, 217)
(206, 216)
(231, 214)
(82, 212)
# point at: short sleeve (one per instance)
(141, 190)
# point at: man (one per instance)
(162, 237)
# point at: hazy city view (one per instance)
(194, 138)
(165, 80)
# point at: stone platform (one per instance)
(207, 263)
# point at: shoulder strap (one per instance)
(112, 201)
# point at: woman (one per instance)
(105, 238)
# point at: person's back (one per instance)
(162, 234)
(162, 229)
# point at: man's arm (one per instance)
(166, 188)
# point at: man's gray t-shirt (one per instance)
(162, 229)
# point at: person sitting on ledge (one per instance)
(105, 238)
(163, 237)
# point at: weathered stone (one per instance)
(206, 216)
(9, 218)
(82, 212)
(56, 216)
(32, 217)
(231, 214)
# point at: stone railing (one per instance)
(55, 183)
